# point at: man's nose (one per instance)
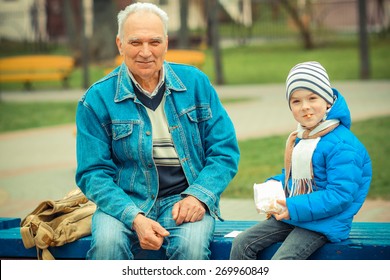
(145, 51)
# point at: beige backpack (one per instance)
(57, 222)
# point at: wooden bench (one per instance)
(36, 68)
(368, 241)
(192, 57)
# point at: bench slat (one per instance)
(33, 62)
(31, 77)
(6, 223)
(368, 241)
(35, 68)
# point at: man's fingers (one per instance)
(175, 210)
(151, 245)
(155, 239)
(193, 214)
(160, 231)
(150, 233)
(197, 216)
(182, 216)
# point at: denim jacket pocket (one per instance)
(125, 143)
(200, 113)
(197, 115)
(121, 130)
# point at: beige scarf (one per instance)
(298, 159)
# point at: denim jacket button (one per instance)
(150, 165)
(152, 196)
(148, 133)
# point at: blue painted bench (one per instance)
(368, 241)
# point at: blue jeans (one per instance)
(113, 240)
(298, 243)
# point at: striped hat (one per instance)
(311, 76)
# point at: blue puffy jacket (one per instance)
(342, 173)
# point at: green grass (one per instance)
(270, 63)
(375, 135)
(263, 157)
(23, 115)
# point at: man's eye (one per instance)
(155, 43)
(135, 43)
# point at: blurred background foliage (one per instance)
(245, 41)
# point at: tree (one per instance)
(183, 40)
(304, 29)
(102, 42)
(212, 19)
(363, 41)
(102, 45)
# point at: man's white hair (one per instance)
(139, 7)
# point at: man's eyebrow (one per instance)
(160, 39)
(132, 39)
(136, 39)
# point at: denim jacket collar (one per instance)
(125, 88)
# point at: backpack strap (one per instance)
(44, 254)
(27, 236)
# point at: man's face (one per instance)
(144, 46)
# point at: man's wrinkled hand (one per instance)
(150, 233)
(189, 209)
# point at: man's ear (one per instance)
(119, 44)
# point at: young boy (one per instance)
(326, 177)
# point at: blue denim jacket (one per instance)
(114, 142)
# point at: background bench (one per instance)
(36, 68)
(192, 57)
(368, 241)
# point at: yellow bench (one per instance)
(192, 57)
(35, 68)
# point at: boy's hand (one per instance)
(285, 215)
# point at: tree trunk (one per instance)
(213, 20)
(183, 40)
(363, 41)
(303, 29)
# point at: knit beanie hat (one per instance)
(312, 76)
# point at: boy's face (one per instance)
(308, 108)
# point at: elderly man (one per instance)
(155, 148)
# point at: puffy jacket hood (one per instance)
(340, 110)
